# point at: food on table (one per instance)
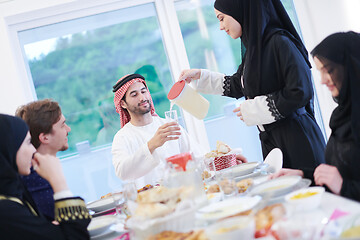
(213, 189)
(160, 194)
(275, 187)
(227, 185)
(144, 188)
(222, 147)
(159, 201)
(170, 235)
(303, 195)
(153, 210)
(266, 217)
(106, 195)
(229, 229)
(244, 184)
(351, 232)
(221, 150)
(205, 175)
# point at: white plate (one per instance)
(99, 225)
(304, 183)
(115, 230)
(251, 175)
(227, 208)
(101, 236)
(241, 169)
(101, 204)
(277, 186)
(275, 160)
(214, 197)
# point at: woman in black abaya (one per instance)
(337, 58)
(19, 217)
(274, 77)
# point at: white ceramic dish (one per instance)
(227, 208)
(101, 204)
(275, 160)
(235, 228)
(214, 197)
(100, 224)
(300, 200)
(240, 170)
(304, 183)
(251, 175)
(107, 233)
(276, 187)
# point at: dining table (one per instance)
(329, 219)
(324, 218)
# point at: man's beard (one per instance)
(64, 148)
(139, 110)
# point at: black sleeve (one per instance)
(350, 189)
(232, 85)
(293, 69)
(18, 222)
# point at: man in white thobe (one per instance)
(145, 140)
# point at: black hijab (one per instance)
(13, 131)
(341, 52)
(259, 19)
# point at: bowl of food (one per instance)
(305, 199)
(242, 227)
(276, 187)
(98, 225)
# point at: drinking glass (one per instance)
(130, 191)
(171, 116)
(119, 200)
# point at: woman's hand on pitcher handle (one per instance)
(189, 75)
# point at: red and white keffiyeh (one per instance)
(119, 94)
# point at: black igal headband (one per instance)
(125, 80)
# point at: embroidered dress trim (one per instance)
(272, 107)
(226, 86)
(70, 209)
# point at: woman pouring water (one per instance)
(274, 77)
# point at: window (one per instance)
(85, 57)
(76, 62)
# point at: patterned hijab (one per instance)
(120, 89)
(259, 19)
(13, 131)
(340, 53)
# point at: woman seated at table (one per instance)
(337, 58)
(19, 217)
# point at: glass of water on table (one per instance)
(118, 197)
(171, 116)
